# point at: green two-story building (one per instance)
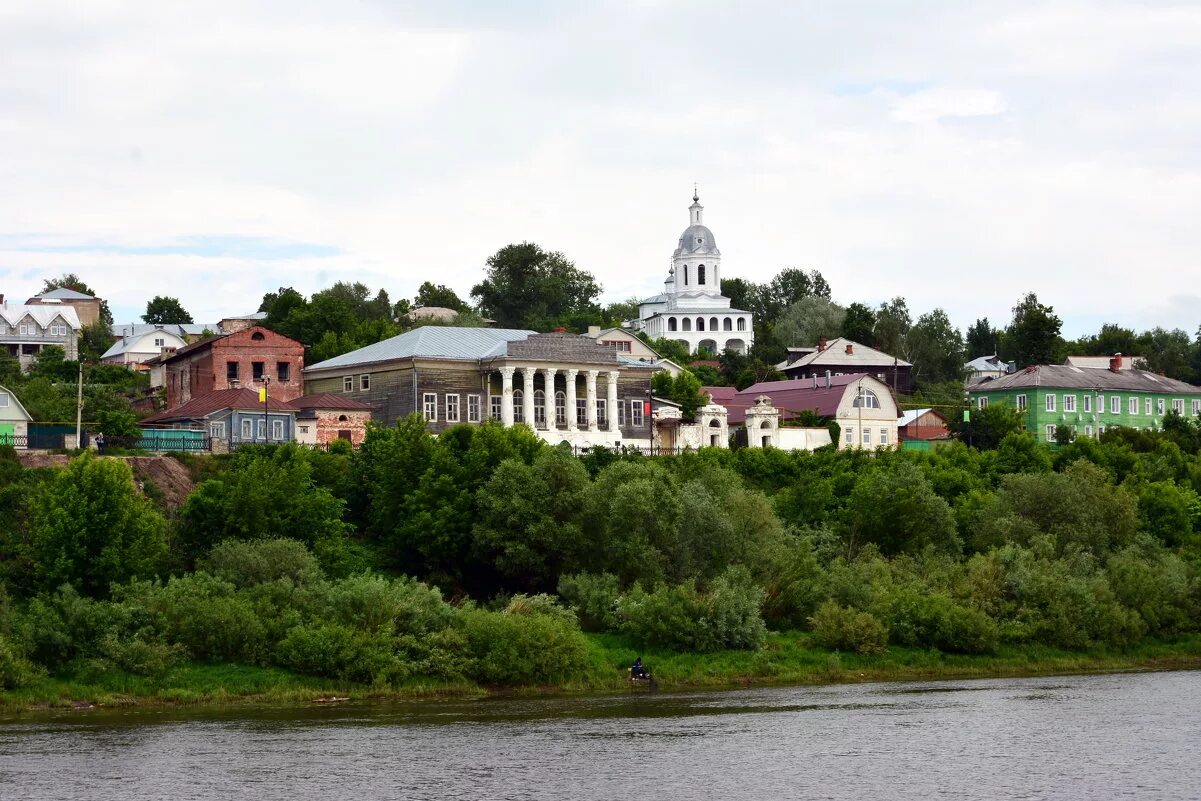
(1088, 400)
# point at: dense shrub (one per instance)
(522, 648)
(844, 628)
(205, 615)
(680, 618)
(341, 652)
(923, 619)
(246, 563)
(15, 669)
(388, 606)
(594, 598)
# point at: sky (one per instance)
(956, 154)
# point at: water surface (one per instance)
(1104, 737)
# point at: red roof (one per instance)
(204, 405)
(790, 397)
(330, 400)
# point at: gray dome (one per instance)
(697, 240)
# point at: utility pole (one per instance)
(266, 422)
(79, 408)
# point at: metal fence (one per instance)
(649, 450)
(163, 442)
(14, 440)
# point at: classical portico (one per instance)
(577, 403)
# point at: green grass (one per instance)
(787, 658)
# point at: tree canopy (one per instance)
(528, 287)
(163, 310)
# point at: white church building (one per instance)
(691, 308)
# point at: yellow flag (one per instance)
(262, 394)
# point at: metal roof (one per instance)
(62, 293)
(126, 344)
(42, 315)
(430, 342)
(179, 329)
(1062, 376)
(835, 353)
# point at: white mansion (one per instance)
(691, 308)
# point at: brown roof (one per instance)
(329, 400)
(203, 405)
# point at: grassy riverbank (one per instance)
(788, 658)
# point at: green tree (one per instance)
(72, 281)
(859, 324)
(985, 428)
(895, 508)
(935, 347)
(527, 287)
(981, 340)
(892, 327)
(1033, 335)
(163, 310)
(94, 340)
(684, 389)
(808, 320)
(1168, 352)
(92, 528)
(431, 294)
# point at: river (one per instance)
(1134, 735)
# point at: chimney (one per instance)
(850, 349)
(2, 299)
(594, 331)
(1115, 363)
(560, 329)
(821, 344)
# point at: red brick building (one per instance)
(242, 359)
(327, 417)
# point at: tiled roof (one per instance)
(429, 342)
(42, 315)
(203, 405)
(1062, 376)
(329, 400)
(835, 353)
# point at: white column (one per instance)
(591, 385)
(506, 396)
(613, 416)
(548, 377)
(527, 395)
(572, 425)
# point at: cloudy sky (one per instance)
(957, 154)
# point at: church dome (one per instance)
(697, 240)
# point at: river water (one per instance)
(1083, 737)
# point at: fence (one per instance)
(647, 450)
(164, 440)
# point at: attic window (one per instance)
(257, 335)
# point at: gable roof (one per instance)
(991, 364)
(62, 293)
(126, 344)
(910, 415)
(329, 400)
(16, 402)
(42, 315)
(790, 397)
(219, 399)
(179, 329)
(1102, 362)
(430, 342)
(835, 354)
(1062, 376)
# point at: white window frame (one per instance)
(473, 408)
(982, 402)
(278, 430)
(581, 412)
(560, 409)
(1161, 406)
(637, 417)
(867, 437)
(1196, 408)
(1050, 430)
(429, 406)
(1178, 406)
(452, 407)
(1088, 431)
(494, 407)
(1115, 404)
(602, 412)
(1050, 402)
(217, 429)
(1100, 403)
(247, 429)
(1069, 403)
(1148, 406)
(884, 437)
(849, 435)
(158, 341)
(348, 383)
(365, 382)
(261, 429)
(1132, 406)
(1021, 402)
(621, 414)
(518, 406)
(1087, 400)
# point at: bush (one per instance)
(15, 670)
(846, 629)
(340, 652)
(681, 619)
(934, 620)
(385, 606)
(522, 649)
(594, 598)
(205, 615)
(246, 563)
(145, 657)
(540, 605)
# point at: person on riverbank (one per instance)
(637, 670)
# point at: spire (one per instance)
(694, 211)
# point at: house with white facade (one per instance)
(691, 308)
(135, 350)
